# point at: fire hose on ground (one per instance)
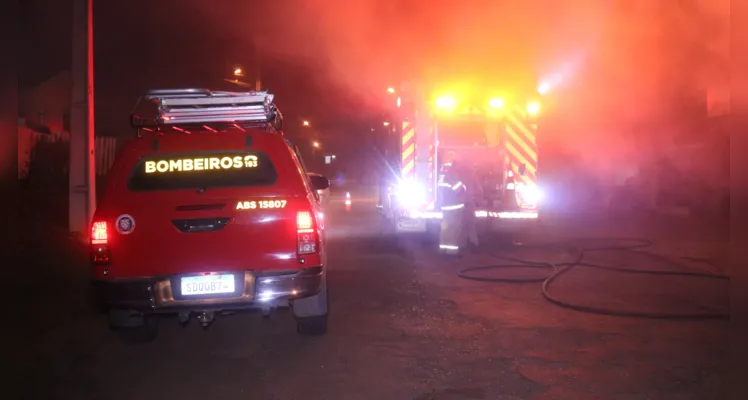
(582, 247)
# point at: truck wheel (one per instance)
(311, 312)
(133, 327)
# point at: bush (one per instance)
(44, 191)
(49, 166)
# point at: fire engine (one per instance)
(492, 132)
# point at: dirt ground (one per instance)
(404, 326)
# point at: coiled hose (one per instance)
(581, 247)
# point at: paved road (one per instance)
(403, 326)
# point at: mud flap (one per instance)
(314, 306)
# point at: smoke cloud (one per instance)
(632, 46)
(612, 64)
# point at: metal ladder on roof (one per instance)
(185, 107)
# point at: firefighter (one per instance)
(453, 196)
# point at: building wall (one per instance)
(49, 103)
(105, 150)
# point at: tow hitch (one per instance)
(205, 317)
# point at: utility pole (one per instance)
(82, 185)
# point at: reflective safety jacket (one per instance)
(452, 191)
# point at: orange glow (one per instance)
(608, 57)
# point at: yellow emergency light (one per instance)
(446, 103)
(496, 103)
(533, 108)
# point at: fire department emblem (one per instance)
(125, 224)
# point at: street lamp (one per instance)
(305, 123)
(238, 71)
(544, 88)
(391, 90)
(386, 123)
(315, 144)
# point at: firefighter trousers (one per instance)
(452, 235)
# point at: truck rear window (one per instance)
(462, 133)
(194, 170)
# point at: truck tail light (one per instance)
(510, 180)
(306, 234)
(100, 243)
(99, 233)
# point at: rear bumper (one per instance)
(418, 221)
(162, 294)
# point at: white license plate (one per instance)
(207, 284)
(412, 225)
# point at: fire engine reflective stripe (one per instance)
(526, 128)
(518, 157)
(528, 179)
(408, 152)
(454, 207)
(522, 149)
(523, 129)
(408, 149)
(409, 168)
(408, 132)
(515, 160)
(521, 146)
(519, 111)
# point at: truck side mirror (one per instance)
(319, 182)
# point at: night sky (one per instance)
(331, 61)
(142, 44)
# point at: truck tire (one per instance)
(311, 313)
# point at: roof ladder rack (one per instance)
(205, 107)
(191, 106)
